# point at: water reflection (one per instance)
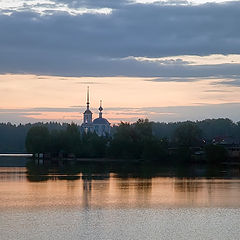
(101, 170)
(115, 185)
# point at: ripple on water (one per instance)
(179, 223)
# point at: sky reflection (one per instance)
(108, 190)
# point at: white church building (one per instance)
(99, 125)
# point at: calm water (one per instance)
(118, 202)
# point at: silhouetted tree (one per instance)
(71, 140)
(93, 145)
(187, 134)
(37, 140)
(136, 141)
(123, 143)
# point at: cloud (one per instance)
(230, 80)
(102, 44)
(117, 114)
(213, 59)
(217, 91)
(49, 7)
(41, 109)
(88, 83)
(176, 79)
(235, 83)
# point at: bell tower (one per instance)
(87, 115)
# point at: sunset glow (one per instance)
(53, 98)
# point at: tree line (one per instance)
(12, 136)
(139, 140)
(128, 141)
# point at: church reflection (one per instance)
(87, 188)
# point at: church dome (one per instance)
(100, 121)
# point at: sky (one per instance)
(171, 60)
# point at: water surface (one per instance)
(76, 202)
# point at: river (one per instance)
(118, 202)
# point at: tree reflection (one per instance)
(99, 171)
(187, 185)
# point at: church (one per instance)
(100, 125)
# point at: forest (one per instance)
(140, 140)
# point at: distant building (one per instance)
(100, 125)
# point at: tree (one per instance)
(123, 143)
(67, 140)
(37, 139)
(188, 134)
(72, 140)
(93, 145)
(143, 129)
(136, 141)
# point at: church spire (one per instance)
(100, 109)
(88, 103)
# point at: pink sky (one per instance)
(31, 98)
